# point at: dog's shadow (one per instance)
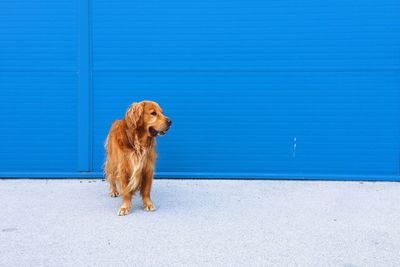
(170, 199)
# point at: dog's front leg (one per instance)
(148, 173)
(126, 197)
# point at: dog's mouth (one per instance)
(153, 132)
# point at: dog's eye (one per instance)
(153, 113)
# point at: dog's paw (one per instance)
(113, 194)
(124, 211)
(149, 206)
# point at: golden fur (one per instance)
(131, 154)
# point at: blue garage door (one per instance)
(256, 89)
(38, 87)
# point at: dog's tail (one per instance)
(105, 160)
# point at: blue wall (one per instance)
(38, 86)
(256, 89)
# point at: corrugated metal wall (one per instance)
(38, 86)
(256, 89)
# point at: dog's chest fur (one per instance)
(137, 159)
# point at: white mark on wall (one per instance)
(294, 147)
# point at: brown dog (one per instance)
(131, 154)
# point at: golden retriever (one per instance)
(131, 154)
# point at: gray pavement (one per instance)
(201, 223)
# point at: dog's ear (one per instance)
(134, 115)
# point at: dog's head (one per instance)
(147, 116)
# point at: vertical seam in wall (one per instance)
(90, 70)
(84, 89)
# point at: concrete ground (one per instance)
(201, 223)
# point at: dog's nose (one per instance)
(169, 122)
